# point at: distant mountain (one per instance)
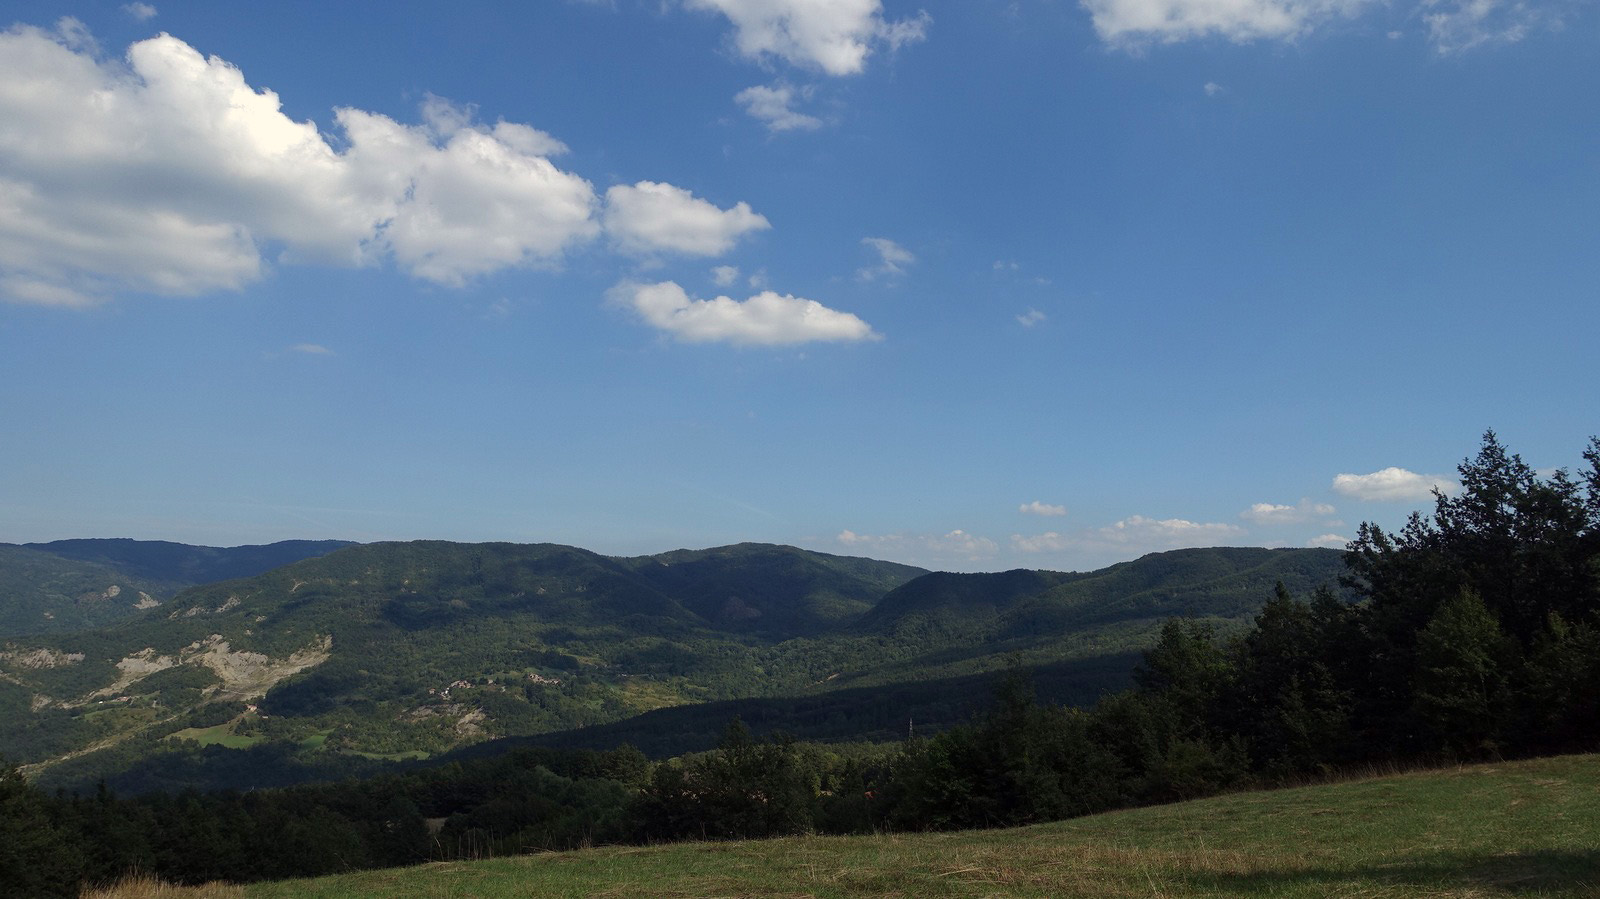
(44, 593)
(75, 584)
(775, 591)
(395, 650)
(160, 560)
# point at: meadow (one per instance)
(1528, 828)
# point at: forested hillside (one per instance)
(69, 585)
(387, 652)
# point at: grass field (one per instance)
(219, 735)
(1521, 829)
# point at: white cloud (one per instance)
(473, 199)
(766, 319)
(723, 275)
(1457, 25)
(1453, 25)
(892, 259)
(774, 107)
(1135, 533)
(834, 36)
(1030, 318)
(955, 545)
(1213, 89)
(1392, 485)
(1135, 22)
(144, 12)
(311, 349)
(1328, 541)
(1044, 509)
(1271, 513)
(172, 175)
(649, 217)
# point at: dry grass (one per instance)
(146, 886)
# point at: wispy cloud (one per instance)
(1272, 513)
(774, 107)
(1042, 509)
(1135, 533)
(1031, 317)
(892, 259)
(957, 545)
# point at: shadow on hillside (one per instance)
(1509, 873)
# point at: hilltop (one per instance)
(68, 585)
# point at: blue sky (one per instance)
(973, 285)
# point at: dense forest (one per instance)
(1475, 633)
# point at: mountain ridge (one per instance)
(415, 648)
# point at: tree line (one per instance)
(1476, 634)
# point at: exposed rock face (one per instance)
(40, 658)
(244, 674)
(248, 675)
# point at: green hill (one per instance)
(43, 593)
(182, 563)
(70, 585)
(774, 591)
(402, 650)
(1512, 829)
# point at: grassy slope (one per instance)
(1514, 829)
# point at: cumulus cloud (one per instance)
(1213, 89)
(833, 36)
(766, 319)
(1135, 533)
(170, 174)
(723, 275)
(1134, 22)
(1030, 318)
(892, 259)
(649, 217)
(1271, 513)
(1392, 485)
(1044, 509)
(774, 107)
(955, 545)
(144, 12)
(1328, 541)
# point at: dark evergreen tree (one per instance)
(38, 855)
